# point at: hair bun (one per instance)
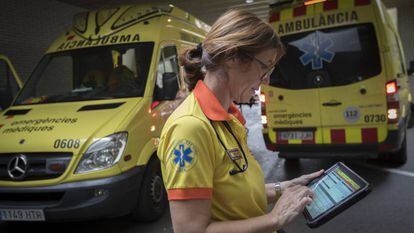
(191, 62)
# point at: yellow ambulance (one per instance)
(80, 139)
(342, 89)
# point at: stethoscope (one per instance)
(228, 152)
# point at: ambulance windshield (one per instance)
(106, 72)
(328, 57)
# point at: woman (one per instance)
(213, 181)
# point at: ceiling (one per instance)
(207, 10)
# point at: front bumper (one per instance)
(91, 199)
(392, 143)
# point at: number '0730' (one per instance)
(375, 118)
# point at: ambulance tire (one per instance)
(292, 161)
(152, 200)
(411, 119)
(399, 157)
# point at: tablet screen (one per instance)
(331, 189)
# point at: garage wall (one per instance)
(28, 27)
(406, 30)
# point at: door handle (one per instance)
(331, 104)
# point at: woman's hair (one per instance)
(235, 34)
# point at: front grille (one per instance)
(38, 165)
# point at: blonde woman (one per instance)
(213, 181)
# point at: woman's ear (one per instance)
(232, 63)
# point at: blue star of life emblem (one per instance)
(316, 48)
(183, 155)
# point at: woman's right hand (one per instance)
(291, 204)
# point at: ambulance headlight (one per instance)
(103, 153)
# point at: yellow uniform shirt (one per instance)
(195, 165)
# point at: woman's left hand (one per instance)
(302, 180)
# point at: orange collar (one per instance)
(212, 108)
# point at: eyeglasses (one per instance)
(269, 70)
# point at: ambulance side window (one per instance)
(167, 73)
(8, 85)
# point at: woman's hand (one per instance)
(302, 180)
(291, 204)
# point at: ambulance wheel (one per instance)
(291, 161)
(152, 200)
(411, 119)
(399, 157)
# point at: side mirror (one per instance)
(410, 70)
(6, 98)
(9, 83)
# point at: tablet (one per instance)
(336, 190)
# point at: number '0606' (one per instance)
(66, 143)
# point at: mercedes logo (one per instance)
(17, 167)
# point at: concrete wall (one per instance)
(28, 27)
(406, 30)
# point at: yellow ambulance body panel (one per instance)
(342, 87)
(79, 141)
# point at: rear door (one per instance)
(292, 98)
(10, 83)
(352, 93)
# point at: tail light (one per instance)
(264, 120)
(262, 98)
(269, 145)
(391, 88)
(393, 102)
(263, 105)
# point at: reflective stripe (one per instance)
(330, 5)
(286, 14)
(190, 193)
(369, 135)
(351, 135)
(338, 136)
(299, 11)
(314, 9)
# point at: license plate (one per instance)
(22, 215)
(299, 135)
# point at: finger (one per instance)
(303, 202)
(311, 194)
(301, 192)
(306, 201)
(315, 174)
(305, 192)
